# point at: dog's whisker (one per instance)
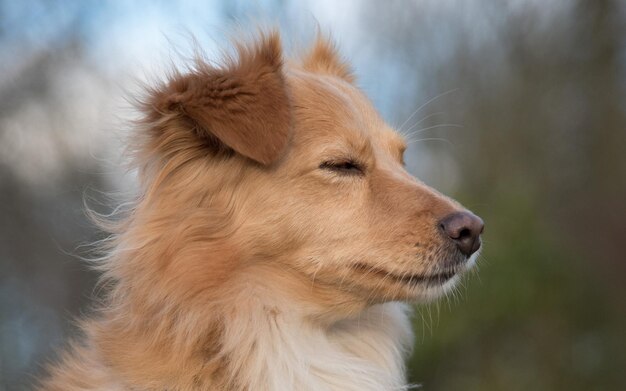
(421, 130)
(432, 139)
(424, 105)
(405, 133)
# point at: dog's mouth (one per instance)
(438, 278)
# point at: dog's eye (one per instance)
(343, 167)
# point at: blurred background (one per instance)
(516, 108)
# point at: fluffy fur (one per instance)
(274, 241)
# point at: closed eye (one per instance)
(343, 167)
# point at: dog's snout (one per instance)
(464, 228)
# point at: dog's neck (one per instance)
(268, 336)
(279, 340)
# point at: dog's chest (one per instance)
(366, 353)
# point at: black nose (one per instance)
(465, 229)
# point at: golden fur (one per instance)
(274, 239)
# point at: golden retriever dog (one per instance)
(275, 241)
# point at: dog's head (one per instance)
(285, 169)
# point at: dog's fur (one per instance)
(274, 241)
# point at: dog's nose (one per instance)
(464, 228)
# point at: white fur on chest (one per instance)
(275, 351)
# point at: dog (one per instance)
(275, 241)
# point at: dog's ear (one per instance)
(244, 104)
(323, 57)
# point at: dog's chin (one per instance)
(425, 293)
(432, 292)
